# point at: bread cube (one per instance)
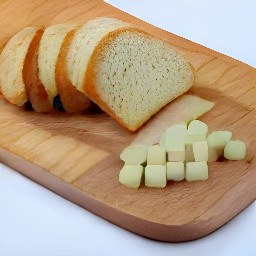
(156, 155)
(196, 171)
(200, 150)
(134, 155)
(155, 176)
(130, 175)
(190, 139)
(175, 171)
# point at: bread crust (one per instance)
(90, 79)
(35, 89)
(72, 99)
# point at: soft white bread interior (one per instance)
(49, 49)
(12, 59)
(85, 40)
(131, 75)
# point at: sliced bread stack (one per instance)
(127, 72)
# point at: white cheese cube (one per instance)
(200, 150)
(156, 155)
(175, 143)
(235, 150)
(190, 139)
(175, 171)
(197, 127)
(219, 139)
(136, 154)
(196, 171)
(177, 128)
(130, 175)
(155, 176)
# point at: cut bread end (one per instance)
(12, 60)
(131, 75)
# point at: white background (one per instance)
(34, 221)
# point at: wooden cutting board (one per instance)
(77, 156)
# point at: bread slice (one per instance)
(131, 75)
(51, 61)
(82, 46)
(12, 60)
(72, 99)
(35, 89)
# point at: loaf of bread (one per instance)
(127, 72)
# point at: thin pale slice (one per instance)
(181, 110)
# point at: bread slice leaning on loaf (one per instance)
(72, 99)
(129, 73)
(12, 60)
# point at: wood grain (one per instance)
(77, 155)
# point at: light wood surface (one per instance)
(77, 155)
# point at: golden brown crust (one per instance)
(35, 89)
(72, 99)
(90, 80)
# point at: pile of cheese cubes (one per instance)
(182, 153)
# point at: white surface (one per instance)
(227, 26)
(34, 221)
